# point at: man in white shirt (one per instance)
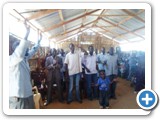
(74, 69)
(112, 71)
(90, 65)
(20, 88)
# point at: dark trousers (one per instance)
(54, 78)
(91, 79)
(112, 86)
(104, 98)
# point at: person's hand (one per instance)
(115, 80)
(27, 26)
(39, 36)
(96, 85)
(27, 30)
(66, 75)
(57, 66)
(104, 63)
(88, 70)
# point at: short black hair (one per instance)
(71, 44)
(101, 71)
(90, 46)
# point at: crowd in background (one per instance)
(127, 65)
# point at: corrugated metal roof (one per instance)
(47, 21)
(132, 24)
(67, 14)
(127, 23)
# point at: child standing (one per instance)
(104, 85)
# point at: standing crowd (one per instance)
(99, 71)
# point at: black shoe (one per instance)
(90, 99)
(61, 101)
(114, 98)
(80, 101)
(68, 102)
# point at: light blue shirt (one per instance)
(19, 71)
(102, 58)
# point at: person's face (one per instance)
(71, 46)
(58, 51)
(111, 51)
(102, 74)
(62, 51)
(103, 50)
(54, 52)
(51, 52)
(91, 49)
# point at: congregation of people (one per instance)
(81, 71)
(74, 75)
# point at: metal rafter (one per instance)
(122, 28)
(67, 32)
(98, 17)
(131, 31)
(104, 15)
(84, 18)
(68, 21)
(132, 16)
(114, 33)
(42, 13)
(62, 19)
(60, 40)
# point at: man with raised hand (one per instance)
(20, 87)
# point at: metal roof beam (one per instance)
(134, 15)
(62, 19)
(122, 28)
(114, 33)
(68, 21)
(128, 18)
(62, 40)
(42, 13)
(59, 35)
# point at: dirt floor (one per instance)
(126, 99)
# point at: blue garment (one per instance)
(104, 98)
(104, 84)
(75, 77)
(91, 78)
(19, 71)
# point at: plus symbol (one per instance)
(147, 99)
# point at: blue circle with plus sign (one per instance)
(147, 99)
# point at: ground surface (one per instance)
(126, 99)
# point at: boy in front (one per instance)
(104, 85)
